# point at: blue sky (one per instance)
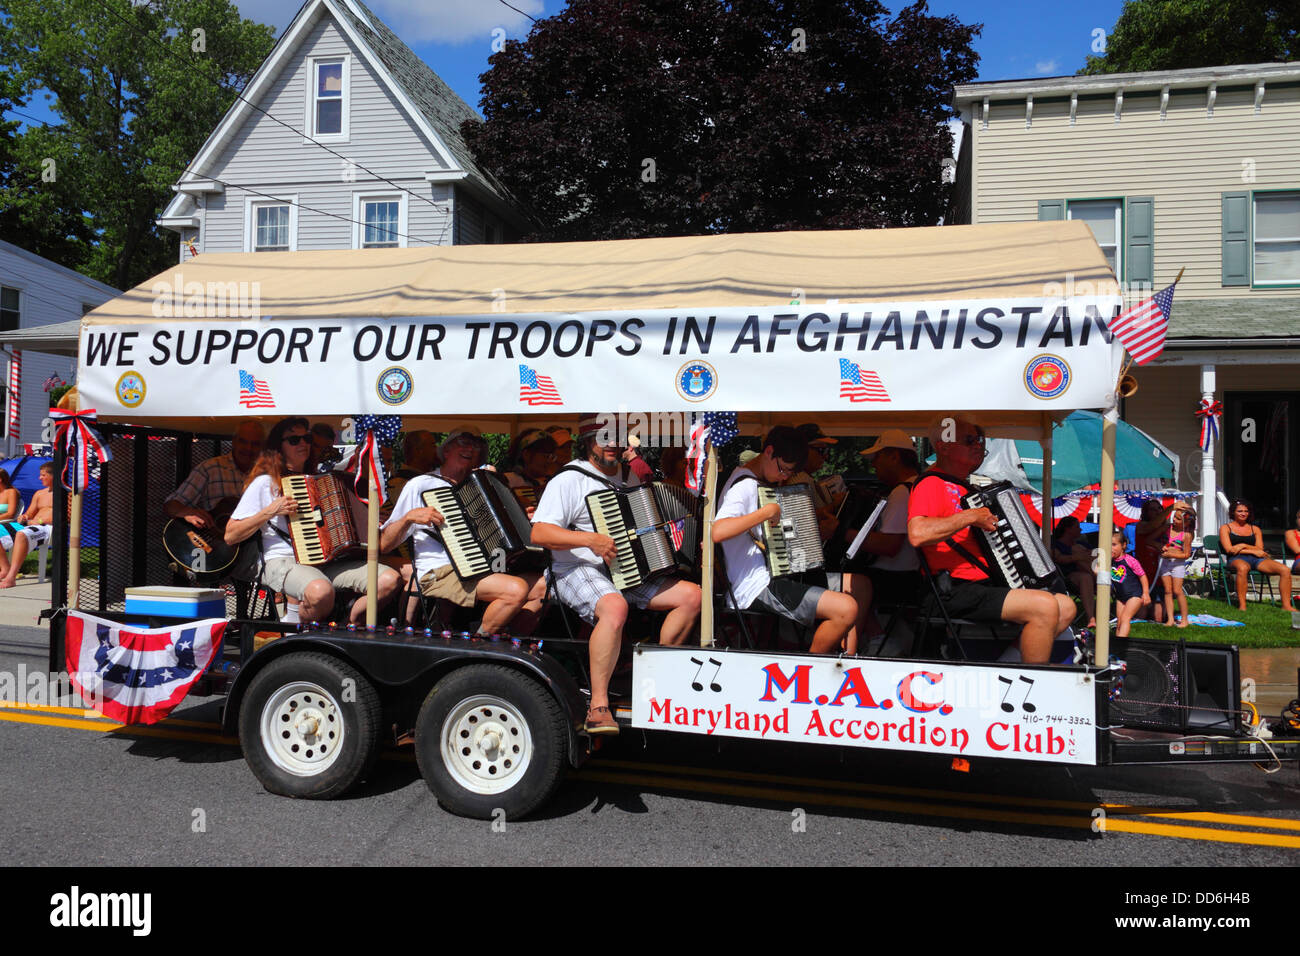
(1021, 38)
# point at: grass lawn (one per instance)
(1267, 625)
(89, 564)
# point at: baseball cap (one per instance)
(891, 438)
(561, 435)
(460, 431)
(813, 434)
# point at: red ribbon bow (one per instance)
(1209, 412)
(78, 439)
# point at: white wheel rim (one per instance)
(302, 729)
(486, 745)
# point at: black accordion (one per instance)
(1014, 549)
(793, 542)
(486, 529)
(655, 527)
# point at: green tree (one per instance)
(1184, 34)
(683, 117)
(137, 88)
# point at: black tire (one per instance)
(479, 777)
(291, 685)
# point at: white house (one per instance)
(38, 299)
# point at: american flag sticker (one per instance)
(537, 389)
(253, 392)
(860, 385)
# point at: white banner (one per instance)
(1005, 354)
(956, 710)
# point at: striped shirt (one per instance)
(210, 482)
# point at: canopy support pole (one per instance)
(1049, 512)
(1105, 502)
(372, 557)
(74, 553)
(706, 545)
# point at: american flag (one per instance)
(1142, 329)
(537, 389)
(676, 530)
(253, 392)
(859, 386)
(52, 382)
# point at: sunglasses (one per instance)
(295, 439)
(971, 440)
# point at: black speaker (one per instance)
(1213, 688)
(1178, 687)
(1152, 690)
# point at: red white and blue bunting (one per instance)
(1209, 413)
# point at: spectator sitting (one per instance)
(11, 506)
(1075, 562)
(1243, 548)
(37, 520)
(1292, 538)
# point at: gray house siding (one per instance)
(269, 158)
(48, 294)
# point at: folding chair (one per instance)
(1000, 631)
(1256, 581)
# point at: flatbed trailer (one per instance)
(496, 720)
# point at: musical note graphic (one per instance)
(713, 683)
(1025, 705)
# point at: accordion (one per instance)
(655, 527)
(1014, 549)
(322, 528)
(793, 542)
(486, 529)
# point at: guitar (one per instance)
(203, 552)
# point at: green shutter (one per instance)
(1051, 210)
(1236, 238)
(1139, 239)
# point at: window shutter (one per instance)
(1139, 239)
(1236, 238)
(1051, 210)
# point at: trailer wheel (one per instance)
(309, 726)
(490, 740)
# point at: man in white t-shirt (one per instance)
(836, 614)
(563, 525)
(263, 508)
(506, 595)
(895, 572)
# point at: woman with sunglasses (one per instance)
(263, 508)
(1243, 546)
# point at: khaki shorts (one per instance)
(445, 583)
(289, 577)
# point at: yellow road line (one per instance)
(105, 726)
(1232, 819)
(796, 798)
(99, 726)
(48, 709)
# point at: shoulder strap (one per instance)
(979, 563)
(587, 474)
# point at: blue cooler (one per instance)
(181, 603)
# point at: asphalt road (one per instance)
(76, 793)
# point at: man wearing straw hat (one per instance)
(563, 525)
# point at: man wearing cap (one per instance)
(827, 504)
(563, 444)
(895, 572)
(506, 595)
(217, 479)
(944, 532)
(419, 457)
(563, 525)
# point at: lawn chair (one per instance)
(1222, 577)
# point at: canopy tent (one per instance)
(783, 324)
(1076, 456)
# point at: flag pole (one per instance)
(372, 555)
(74, 553)
(706, 561)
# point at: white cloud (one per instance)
(1045, 67)
(455, 21)
(419, 21)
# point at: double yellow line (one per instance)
(800, 791)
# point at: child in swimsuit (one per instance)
(1128, 584)
(1173, 562)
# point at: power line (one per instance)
(520, 12)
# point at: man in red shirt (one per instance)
(939, 526)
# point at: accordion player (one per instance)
(485, 526)
(655, 528)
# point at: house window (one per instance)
(380, 217)
(1277, 239)
(8, 309)
(1104, 218)
(271, 229)
(329, 102)
(380, 221)
(271, 225)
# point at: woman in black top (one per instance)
(1243, 548)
